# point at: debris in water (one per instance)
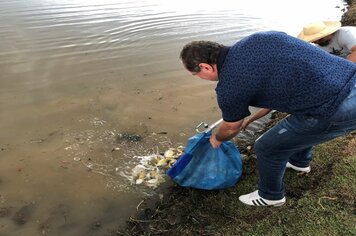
(128, 137)
(115, 149)
(152, 169)
(37, 141)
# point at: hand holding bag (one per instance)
(204, 167)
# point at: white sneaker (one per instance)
(300, 169)
(254, 199)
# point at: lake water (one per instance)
(88, 86)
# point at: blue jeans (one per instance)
(292, 140)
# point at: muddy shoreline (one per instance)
(169, 209)
(164, 207)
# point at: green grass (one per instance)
(319, 203)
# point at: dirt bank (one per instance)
(349, 18)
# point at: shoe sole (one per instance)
(297, 168)
(278, 204)
(257, 202)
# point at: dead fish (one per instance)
(153, 174)
(169, 153)
(171, 163)
(154, 160)
(162, 163)
(141, 177)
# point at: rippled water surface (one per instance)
(87, 87)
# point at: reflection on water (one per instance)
(77, 73)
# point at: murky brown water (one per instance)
(77, 73)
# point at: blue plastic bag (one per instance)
(204, 167)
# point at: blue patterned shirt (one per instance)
(280, 72)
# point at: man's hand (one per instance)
(245, 124)
(226, 131)
(214, 142)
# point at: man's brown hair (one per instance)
(197, 52)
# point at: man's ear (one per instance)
(205, 66)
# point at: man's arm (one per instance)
(352, 55)
(226, 131)
(260, 113)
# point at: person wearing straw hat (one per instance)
(331, 37)
(276, 71)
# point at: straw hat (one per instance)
(317, 30)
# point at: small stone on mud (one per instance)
(128, 137)
(162, 132)
(115, 149)
(173, 219)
